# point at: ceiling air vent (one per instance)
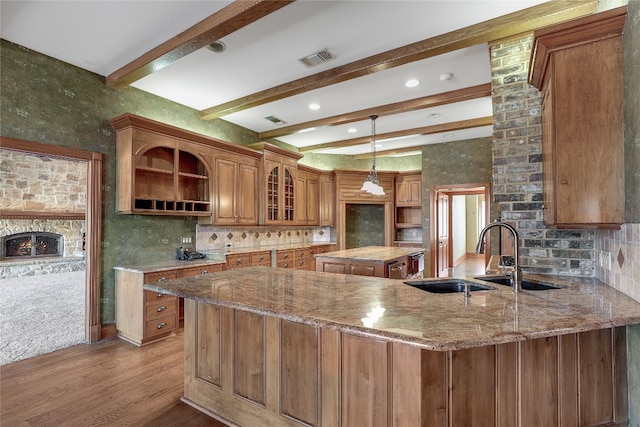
(274, 119)
(317, 58)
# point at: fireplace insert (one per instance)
(32, 245)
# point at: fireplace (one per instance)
(32, 245)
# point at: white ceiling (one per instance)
(103, 36)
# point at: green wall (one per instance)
(51, 102)
(458, 162)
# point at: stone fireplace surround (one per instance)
(72, 258)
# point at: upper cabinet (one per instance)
(408, 202)
(327, 200)
(578, 66)
(279, 171)
(409, 189)
(159, 171)
(307, 196)
(235, 195)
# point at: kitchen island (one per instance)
(378, 261)
(266, 346)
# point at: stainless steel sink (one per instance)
(526, 284)
(447, 286)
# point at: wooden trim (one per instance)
(569, 34)
(9, 214)
(231, 18)
(465, 94)
(93, 219)
(425, 130)
(128, 120)
(33, 147)
(514, 23)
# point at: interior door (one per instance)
(443, 262)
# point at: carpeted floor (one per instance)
(41, 314)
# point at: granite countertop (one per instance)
(373, 253)
(412, 316)
(168, 265)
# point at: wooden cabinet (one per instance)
(144, 316)
(307, 197)
(408, 201)
(279, 173)
(248, 259)
(327, 200)
(310, 375)
(578, 65)
(235, 197)
(409, 189)
(159, 171)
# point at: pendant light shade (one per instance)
(371, 184)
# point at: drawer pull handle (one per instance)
(286, 256)
(160, 295)
(261, 257)
(286, 264)
(161, 308)
(161, 325)
(203, 272)
(162, 279)
(239, 261)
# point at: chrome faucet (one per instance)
(516, 274)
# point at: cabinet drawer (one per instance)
(159, 326)
(152, 298)
(285, 256)
(261, 258)
(202, 270)
(289, 263)
(303, 253)
(238, 260)
(302, 263)
(161, 276)
(160, 310)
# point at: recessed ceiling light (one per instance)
(314, 106)
(217, 47)
(411, 83)
(352, 130)
(433, 115)
(446, 76)
(448, 135)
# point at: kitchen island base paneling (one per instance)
(249, 369)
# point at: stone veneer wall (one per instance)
(210, 238)
(38, 183)
(517, 168)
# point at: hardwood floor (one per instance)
(109, 383)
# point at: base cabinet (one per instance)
(248, 369)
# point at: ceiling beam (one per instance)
(387, 153)
(231, 18)
(526, 20)
(465, 94)
(425, 130)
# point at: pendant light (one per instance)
(371, 184)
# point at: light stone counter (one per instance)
(408, 315)
(373, 253)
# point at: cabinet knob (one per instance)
(161, 309)
(261, 257)
(203, 272)
(161, 325)
(239, 261)
(162, 279)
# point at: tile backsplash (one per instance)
(218, 239)
(618, 258)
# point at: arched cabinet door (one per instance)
(280, 172)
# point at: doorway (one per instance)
(93, 221)
(459, 212)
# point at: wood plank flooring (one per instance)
(109, 383)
